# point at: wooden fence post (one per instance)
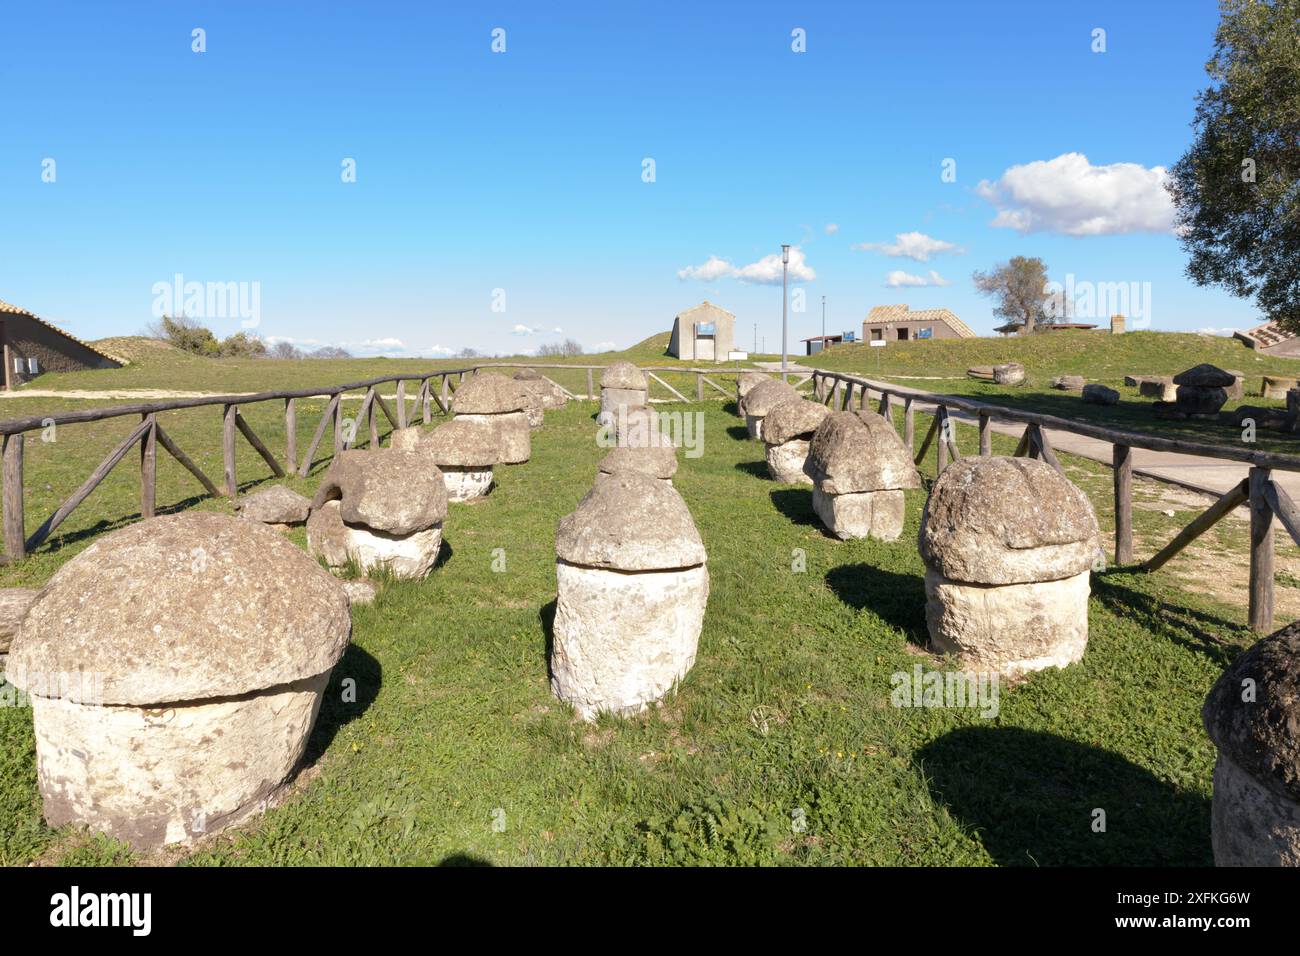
(427, 407)
(699, 386)
(149, 467)
(591, 394)
(14, 530)
(228, 447)
(941, 436)
(401, 404)
(338, 424)
(986, 434)
(1261, 553)
(909, 424)
(1122, 458)
(291, 434)
(373, 398)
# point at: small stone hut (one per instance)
(633, 585)
(1008, 545)
(787, 432)
(762, 398)
(501, 404)
(622, 384)
(859, 468)
(659, 462)
(197, 648)
(1252, 714)
(463, 452)
(381, 509)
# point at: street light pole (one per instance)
(823, 321)
(785, 270)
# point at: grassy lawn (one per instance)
(940, 366)
(781, 746)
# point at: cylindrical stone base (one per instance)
(403, 556)
(1013, 629)
(623, 640)
(1251, 825)
(611, 399)
(171, 772)
(863, 514)
(513, 442)
(785, 462)
(466, 484)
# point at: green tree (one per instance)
(1019, 289)
(1237, 188)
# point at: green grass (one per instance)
(785, 713)
(940, 366)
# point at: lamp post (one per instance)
(823, 321)
(785, 271)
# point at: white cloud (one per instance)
(529, 330)
(767, 270)
(899, 279)
(1211, 330)
(712, 268)
(832, 228)
(1069, 195)
(604, 347)
(911, 245)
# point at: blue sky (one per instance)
(522, 171)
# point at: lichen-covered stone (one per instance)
(1205, 376)
(630, 522)
(361, 591)
(1069, 383)
(1160, 387)
(14, 603)
(1000, 520)
(1100, 395)
(1012, 629)
(637, 426)
(202, 644)
(509, 432)
(656, 462)
(859, 451)
(276, 505)
(393, 491)
(745, 383)
(623, 375)
(796, 418)
(487, 393)
(546, 391)
(861, 514)
(1009, 373)
(411, 555)
(785, 462)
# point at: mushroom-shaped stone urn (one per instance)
(1008, 545)
(1203, 390)
(621, 384)
(745, 383)
(382, 509)
(859, 468)
(462, 452)
(634, 426)
(632, 580)
(547, 392)
(500, 404)
(659, 462)
(175, 668)
(762, 398)
(1252, 714)
(787, 432)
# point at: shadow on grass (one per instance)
(796, 504)
(546, 617)
(463, 859)
(342, 703)
(730, 407)
(738, 432)
(1216, 637)
(1032, 798)
(756, 468)
(897, 599)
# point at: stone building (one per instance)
(898, 323)
(704, 333)
(33, 346)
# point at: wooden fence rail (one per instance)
(1264, 497)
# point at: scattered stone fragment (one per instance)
(1276, 386)
(361, 591)
(1100, 395)
(277, 506)
(1069, 383)
(1009, 373)
(14, 603)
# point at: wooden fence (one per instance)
(1265, 497)
(149, 434)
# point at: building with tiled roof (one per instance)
(898, 323)
(1271, 339)
(33, 346)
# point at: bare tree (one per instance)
(284, 350)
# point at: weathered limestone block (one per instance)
(1100, 395)
(1276, 386)
(659, 462)
(1008, 545)
(1159, 387)
(633, 586)
(14, 603)
(634, 426)
(202, 645)
(277, 506)
(547, 392)
(381, 509)
(622, 384)
(502, 404)
(859, 467)
(1009, 373)
(745, 383)
(861, 514)
(361, 591)
(1237, 390)
(462, 450)
(1069, 383)
(1011, 628)
(1252, 715)
(787, 432)
(762, 399)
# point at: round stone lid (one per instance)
(1261, 733)
(623, 375)
(528, 375)
(1206, 376)
(658, 461)
(792, 419)
(182, 607)
(630, 522)
(392, 490)
(765, 396)
(746, 381)
(459, 443)
(488, 393)
(1001, 520)
(853, 452)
